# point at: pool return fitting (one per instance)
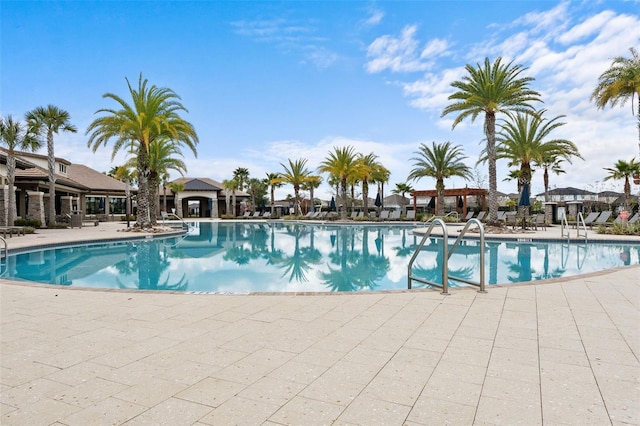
(446, 254)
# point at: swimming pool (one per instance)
(243, 257)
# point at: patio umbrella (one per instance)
(332, 205)
(432, 203)
(378, 203)
(460, 203)
(525, 196)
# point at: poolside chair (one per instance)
(634, 218)
(360, 214)
(469, 215)
(354, 214)
(501, 215)
(481, 215)
(539, 221)
(373, 215)
(603, 218)
(411, 215)
(266, 215)
(255, 215)
(591, 217)
(246, 215)
(395, 215)
(511, 219)
(384, 215)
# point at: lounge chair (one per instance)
(634, 218)
(384, 215)
(411, 215)
(354, 214)
(469, 215)
(373, 215)
(502, 215)
(266, 215)
(246, 215)
(481, 215)
(591, 217)
(511, 219)
(603, 218)
(360, 215)
(395, 215)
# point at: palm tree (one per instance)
(367, 165)
(488, 90)
(380, 176)
(15, 135)
(296, 174)
(51, 119)
(523, 141)
(402, 189)
(154, 114)
(441, 161)
(624, 170)
(620, 83)
(272, 180)
(241, 175)
(311, 184)
(554, 164)
(341, 165)
(230, 185)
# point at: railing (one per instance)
(4, 253)
(584, 226)
(446, 254)
(165, 217)
(564, 225)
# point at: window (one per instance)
(62, 168)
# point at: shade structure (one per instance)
(332, 205)
(378, 202)
(525, 196)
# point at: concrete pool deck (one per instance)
(562, 352)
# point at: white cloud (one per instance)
(400, 54)
(374, 18)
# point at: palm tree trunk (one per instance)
(440, 190)
(51, 162)
(233, 208)
(546, 184)
(272, 200)
(490, 130)
(343, 188)
(365, 197)
(153, 199)
(142, 218)
(11, 177)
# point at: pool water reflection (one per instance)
(241, 257)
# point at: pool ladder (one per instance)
(580, 226)
(446, 254)
(4, 253)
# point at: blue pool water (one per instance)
(241, 257)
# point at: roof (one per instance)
(39, 173)
(93, 179)
(203, 184)
(38, 156)
(569, 191)
(450, 192)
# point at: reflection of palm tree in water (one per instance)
(546, 274)
(405, 250)
(150, 263)
(356, 270)
(301, 260)
(434, 274)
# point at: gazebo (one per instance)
(463, 193)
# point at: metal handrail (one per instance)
(564, 224)
(167, 215)
(445, 247)
(584, 226)
(3, 255)
(446, 254)
(480, 283)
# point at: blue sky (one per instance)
(269, 81)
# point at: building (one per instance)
(198, 197)
(79, 189)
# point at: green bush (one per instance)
(34, 223)
(620, 229)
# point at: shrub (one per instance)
(620, 229)
(33, 223)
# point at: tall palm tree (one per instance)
(620, 83)
(553, 164)
(230, 186)
(440, 161)
(15, 135)
(380, 176)
(241, 175)
(163, 157)
(295, 174)
(367, 165)
(311, 184)
(624, 170)
(341, 165)
(50, 120)
(402, 189)
(274, 182)
(154, 114)
(490, 89)
(524, 142)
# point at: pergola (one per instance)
(452, 192)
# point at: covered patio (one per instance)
(461, 194)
